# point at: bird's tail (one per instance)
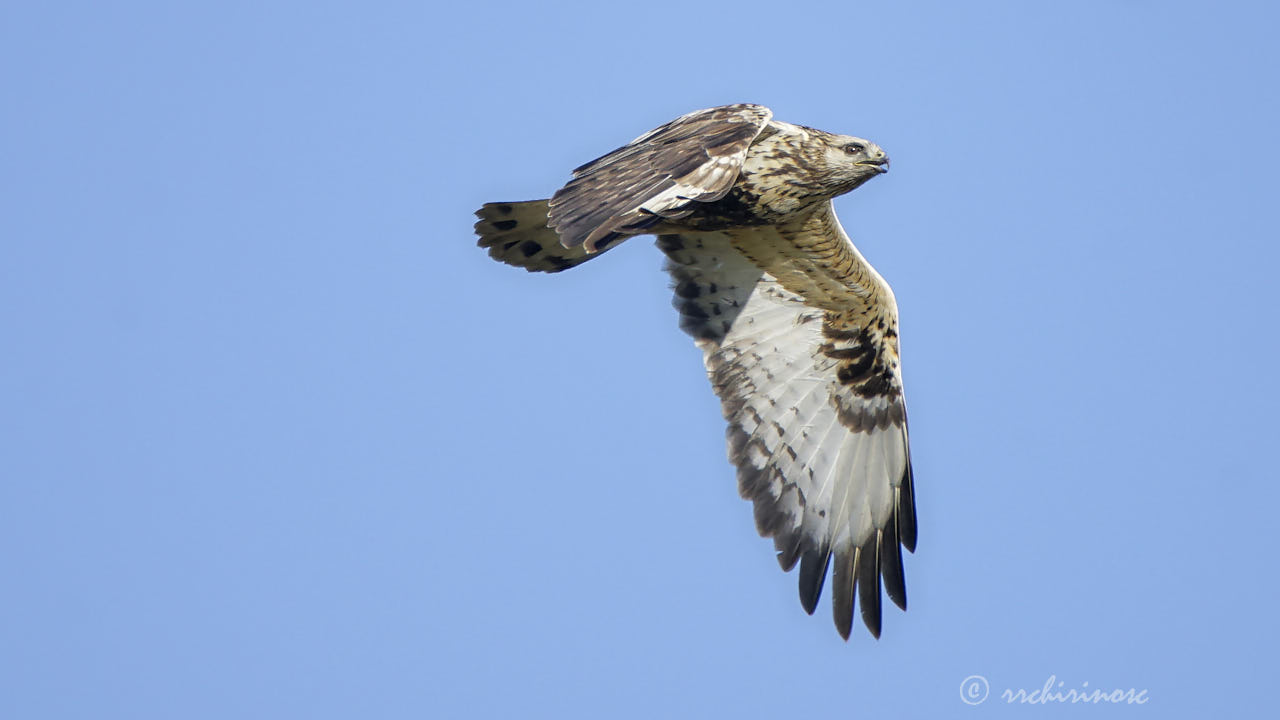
(516, 233)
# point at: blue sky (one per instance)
(278, 441)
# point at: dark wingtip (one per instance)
(843, 590)
(869, 583)
(895, 583)
(813, 573)
(788, 557)
(906, 515)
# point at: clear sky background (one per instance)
(277, 440)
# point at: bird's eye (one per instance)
(854, 148)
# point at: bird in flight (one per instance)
(798, 332)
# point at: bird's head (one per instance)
(850, 161)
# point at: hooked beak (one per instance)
(880, 162)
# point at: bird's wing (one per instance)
(659, 175)
(813, 396)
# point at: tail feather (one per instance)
(516, 233)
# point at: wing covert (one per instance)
(659, 175)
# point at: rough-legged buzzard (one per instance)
(799, 333)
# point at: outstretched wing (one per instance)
(661, 174)
(813, 396)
